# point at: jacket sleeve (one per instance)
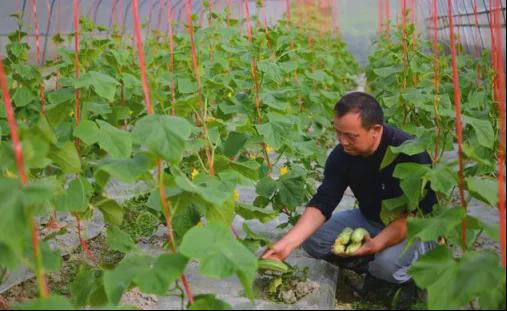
(330, 192)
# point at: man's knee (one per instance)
(385, 266)
(315, 248)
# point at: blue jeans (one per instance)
(390, 265)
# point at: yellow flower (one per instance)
(269, 149)
(284, 170)
(10, 174)
(195, 172)
(236, 196)
(210, 119)
(229, 94)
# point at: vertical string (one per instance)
(387, 18)
(404, 40)
(171, 49)
(457, 109)
(436, 77)
(38, 55)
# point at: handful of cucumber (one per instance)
(270, 266)
(349, 241)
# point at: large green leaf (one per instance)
(67, 158)
(392, 209)
(88, 132)
(387, 71)
(411, 181)
(484, 189)
(23, 97)
(483, 130)
(103, 84)
(442, 178)
(185, 86)
(113, 213)
(53, 302)
(429, 229)
(251, 212)
(12, 222)
(165, 136)
(129, 170)
(249, 169)
(220, 254)
(212, 189)
(76, 197)
(61, 96)
(453, 283)
(114, 141)
(151, 274)
(208, 302)
(291, 189)
(266, 187)
(119, 240)
(275, 134)
(234, 143)
(39, 191)
(408, 147)
(83, 287)
(165, 270)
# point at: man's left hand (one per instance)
(369, 247)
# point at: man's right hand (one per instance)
(279, 251)
(307, 224)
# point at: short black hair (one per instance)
(366, 105)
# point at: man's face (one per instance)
(355, 139)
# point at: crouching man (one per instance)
(355, 162)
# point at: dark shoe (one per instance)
(356, 264)
(404, 296)
(370, 285)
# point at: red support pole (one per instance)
(140, 51)
(380, 15)
(163, 198)
(18, 154)
(457, 109)
(171, 49)
(500, 100)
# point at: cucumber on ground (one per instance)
(272, 265)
